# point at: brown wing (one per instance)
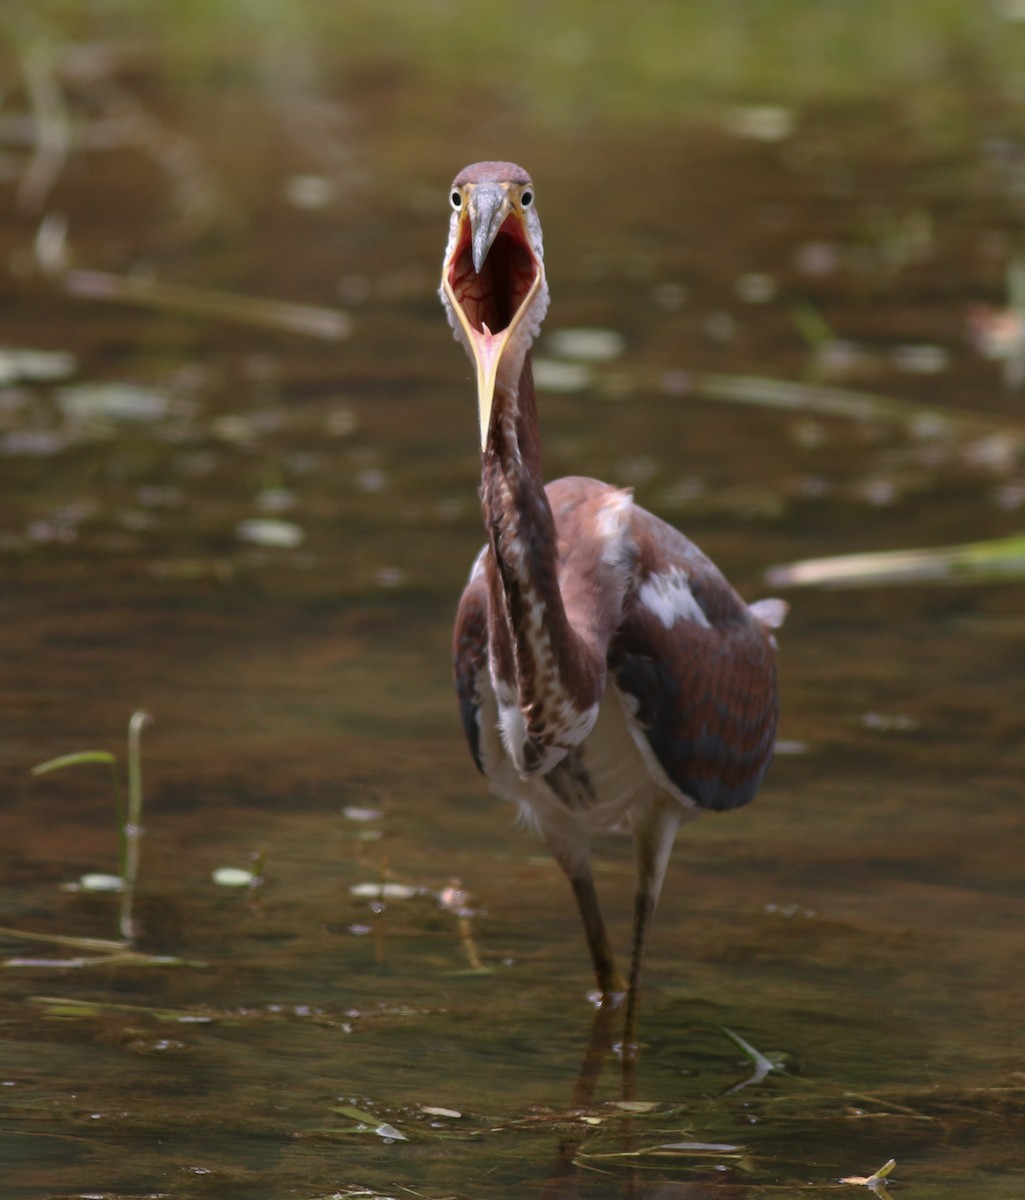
(700, 667)
(470, 658)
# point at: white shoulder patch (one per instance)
(613, 521)
(667, 596)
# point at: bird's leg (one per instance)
(653, 841)
(610, 982)
(571, 849)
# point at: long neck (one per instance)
(535, 651)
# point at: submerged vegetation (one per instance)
(128, 816)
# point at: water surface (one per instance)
(859, 925)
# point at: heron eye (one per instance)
(527, 198)
(457, 199)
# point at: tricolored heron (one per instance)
(609, 677)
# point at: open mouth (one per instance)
(489, 302)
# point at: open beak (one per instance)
(490, 279)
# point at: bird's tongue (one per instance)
(488, 349)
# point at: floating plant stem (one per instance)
(469, 944)
(329, 323)
(96, 945)
(52, 123)
(974, 562)
(785, 395)
(131, 829)
(100, 951)
(456, 901)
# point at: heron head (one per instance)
(493, 282)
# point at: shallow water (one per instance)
(859, 925)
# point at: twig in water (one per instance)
(995, 559)
(53, 130)
(329, 323)
(132, 827)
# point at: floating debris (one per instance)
(33, 443)
(791, 746)
(234, 877)
(388, 1133)
(93, 402)
(384, 891)
(554, 375)
(585, 345)
(354, 812)
(756, 288)
(875, 1181)
(367, 1123)
(309, 191)
(889, 723)
(371, 480)
(760, 122)
(817, 258)
(34, 366)
(997, 452)
(921, 360)
(50, 247)
(267, 531)
(97, 882)
(635, 1106)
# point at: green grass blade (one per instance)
(73, 760)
